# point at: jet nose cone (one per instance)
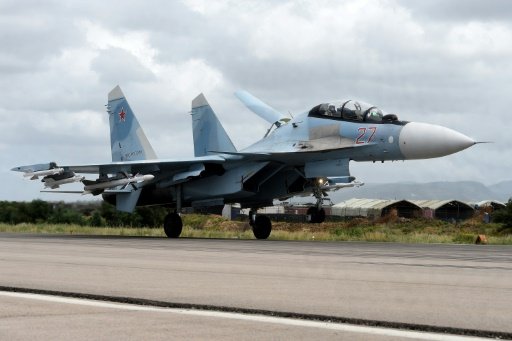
(424, 141)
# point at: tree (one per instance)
(10, 213)
(63, 214)
(38, 211)
(151, 216)
(96, 220)
(504, 215)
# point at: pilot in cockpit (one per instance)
(331, 110)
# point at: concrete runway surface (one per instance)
(467, 287)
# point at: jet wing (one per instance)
(127, 172)
(143, 166)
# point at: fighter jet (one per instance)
(308, 154)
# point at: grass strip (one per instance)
(211, 226)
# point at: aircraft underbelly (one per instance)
(229, 183)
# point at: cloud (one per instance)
(115, 65)
(440, 62)
(459, 10)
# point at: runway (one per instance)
(455, 286)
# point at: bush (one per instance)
(97, 220)
(65, 215)
(504, 215)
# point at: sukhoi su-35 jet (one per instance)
(305, 155)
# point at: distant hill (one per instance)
(503, 189)
(460, 190)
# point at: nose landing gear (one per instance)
(316, 214)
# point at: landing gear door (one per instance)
(327, 168)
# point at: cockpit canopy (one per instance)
(352, 111)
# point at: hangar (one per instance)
(493, 205)
(445, 209)
(375, 208)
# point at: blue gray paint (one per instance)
(209, 135)
(295, 158)
(127, 139)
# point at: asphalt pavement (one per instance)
(453, 286)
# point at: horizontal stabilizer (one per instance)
(260, 108)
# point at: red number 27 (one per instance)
(361, 138)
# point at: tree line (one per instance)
(80, 213)
(504, 215)
(96, 213)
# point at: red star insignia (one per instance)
(122, 115)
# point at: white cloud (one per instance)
(134, 42)
(58, 63)
(118, 66)
(209, 8)
(476, 39)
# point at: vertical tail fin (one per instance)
(127, 139)
(209, 135)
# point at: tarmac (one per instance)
(395, 287)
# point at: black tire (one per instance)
(320, 216)
(262, 227)
(173, 225)
(317, 215)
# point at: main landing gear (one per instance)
(173, 225)
(172, 222)
(261, 225)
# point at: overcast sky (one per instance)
(442, 62)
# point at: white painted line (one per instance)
(255, 318)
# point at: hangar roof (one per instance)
(366, 203)
(368, 207)
(436, 204)
(487, 203)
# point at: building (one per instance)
(490, 205)
(376, 208)
(445, 209)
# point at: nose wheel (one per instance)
(316, 215)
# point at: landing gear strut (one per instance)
(172, 222)
(261, 225)
(316, 214)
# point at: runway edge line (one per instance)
(249, 311)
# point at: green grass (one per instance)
(386, 230)
(44, 228)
